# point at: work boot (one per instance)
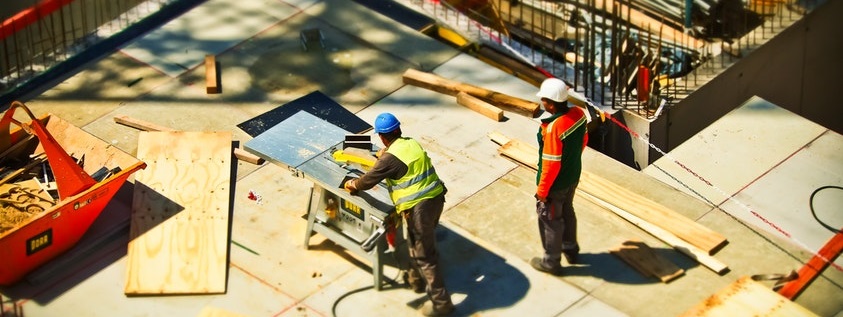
(416, 283)
(571, 256)
(539, 265)
(429, 310)
(417, 287)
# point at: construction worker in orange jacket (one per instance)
(562, 137)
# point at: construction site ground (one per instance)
(488, 231)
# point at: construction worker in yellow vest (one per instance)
(419, 197)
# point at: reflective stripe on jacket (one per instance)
(562, 138)
(420, 182)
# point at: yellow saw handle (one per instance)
(349, 156)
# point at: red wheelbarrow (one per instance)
(81, 198)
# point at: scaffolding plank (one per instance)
(180, 214)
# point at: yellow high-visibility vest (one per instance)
(420, 182)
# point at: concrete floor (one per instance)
(488, 231)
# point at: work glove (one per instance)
(543, 209)
(351, 186)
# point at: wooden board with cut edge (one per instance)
(746, 297)
(180, 214)
(645, 260)
(212, 86)
(480, 106)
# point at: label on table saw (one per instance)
(352, 209)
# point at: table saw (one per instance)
(306, 144)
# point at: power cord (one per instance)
(362, 289)
(813, 213)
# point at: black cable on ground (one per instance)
(358, 290)
(813, 213)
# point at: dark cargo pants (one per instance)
(558, 231)
(421, 224)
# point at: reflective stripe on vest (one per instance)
(420, 182)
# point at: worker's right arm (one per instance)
(551, 157)
(387, 166)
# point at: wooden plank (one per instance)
(827, 254)
(451, 87)
(746, 297)
(480, 106)
(140, 124)
(680, 245)
(640, 206)
(211, 83)
(646, 261)
(180, 214)
(149, 126)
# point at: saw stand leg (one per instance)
(313, 226)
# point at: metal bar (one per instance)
(614, 53)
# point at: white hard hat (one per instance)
(553, 89)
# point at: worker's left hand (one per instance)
(543, 210)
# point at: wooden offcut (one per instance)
(211, 83)
(640, 206)
(646, 261)
(180, 214)
(480, 106)
(149, 126)
(746, 297)
(452, 88)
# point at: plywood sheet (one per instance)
(180, 214)
(746, 297)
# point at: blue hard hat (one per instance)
(386, 122)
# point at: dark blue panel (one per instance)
(315, 103)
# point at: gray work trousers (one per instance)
(559, 233)
(421, 238)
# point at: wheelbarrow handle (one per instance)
(6, 123)
(71, 179)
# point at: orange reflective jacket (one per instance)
(562, 139)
